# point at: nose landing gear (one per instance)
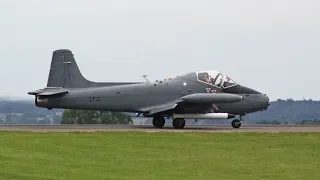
(236, 123)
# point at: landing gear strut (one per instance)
(158, 121)
(178, 123)
(236, 123)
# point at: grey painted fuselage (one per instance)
(137, 97)
(142, 96)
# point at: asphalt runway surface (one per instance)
(149, 128)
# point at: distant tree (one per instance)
(290, 100)
(263, 122)
(269, 122)
(94, 117)
(44, 121)
(275, 122)
(289, 111)
(309, 122)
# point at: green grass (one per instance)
(142, 155)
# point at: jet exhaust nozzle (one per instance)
(204, 116)
(41, 102)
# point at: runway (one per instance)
(148, 128)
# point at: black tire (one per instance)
(178, 123)
(236, 123)
(158, 122)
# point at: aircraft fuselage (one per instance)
(136, 97)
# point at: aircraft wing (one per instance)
(198, 102)
(161, 108)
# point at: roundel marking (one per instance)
(69, 77)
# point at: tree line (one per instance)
(287, 112)
(94, 117)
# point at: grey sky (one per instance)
(272, 46)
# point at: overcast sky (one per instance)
(272, 46)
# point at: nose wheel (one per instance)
(236, 123)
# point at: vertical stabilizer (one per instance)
(64, 71)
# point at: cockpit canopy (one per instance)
(215, 78)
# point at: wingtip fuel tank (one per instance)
(212, 98)
(205, 116)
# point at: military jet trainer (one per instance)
(195, 95)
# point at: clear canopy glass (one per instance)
(215, 78)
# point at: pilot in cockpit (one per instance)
(211, 79)
(205, 78)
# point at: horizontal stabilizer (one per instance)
(35, 92)
(49, 92)
(52, 93)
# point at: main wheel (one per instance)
(236, 123)
(158, 122)
(178, 123)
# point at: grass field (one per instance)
(142, 155)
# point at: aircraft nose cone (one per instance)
(266, 101)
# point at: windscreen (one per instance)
(208, 77)
(228, 82)
(215, 78)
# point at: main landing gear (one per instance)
(159, 121)
(236, 123)
(178, 123)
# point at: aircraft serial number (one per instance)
(93, 98)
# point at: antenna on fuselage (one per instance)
(145, 77)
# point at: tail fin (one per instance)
(64, 72)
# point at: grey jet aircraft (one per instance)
(195, 95)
